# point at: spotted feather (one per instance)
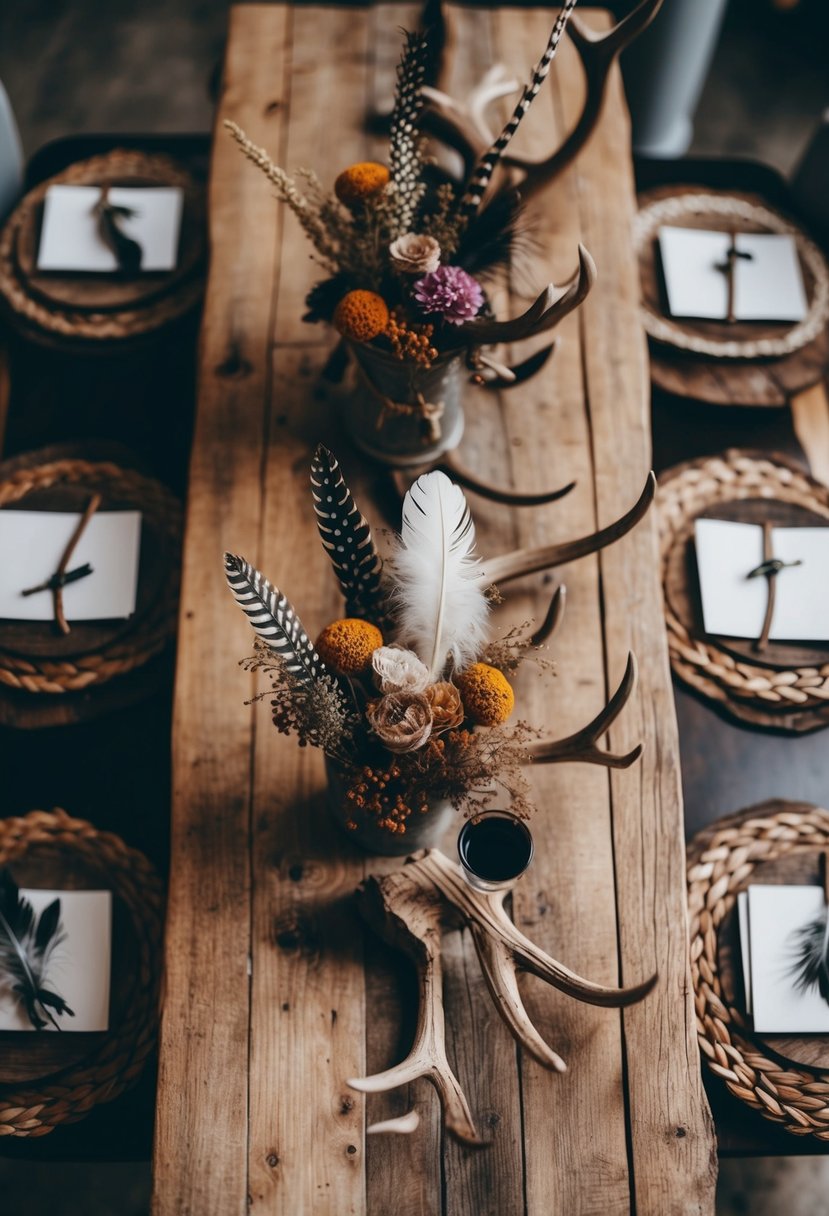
(347, 538)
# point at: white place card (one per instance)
(79, 969)
(70, 239)
(735, 606)
(776, 913)
(31, 546)
(768, 283)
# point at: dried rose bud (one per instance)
(447, 707)
(401, 720)
(413, 254)
(399, 670)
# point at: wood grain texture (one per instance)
(810, 416)
(201, 1136)
(670, 1129)
(253, 1111)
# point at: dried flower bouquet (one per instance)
(394, 693)
(407, 254)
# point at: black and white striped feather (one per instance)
(405, 160)
(810, 965)
(274, 619)
(347, 539)
(479, 181)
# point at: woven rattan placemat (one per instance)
(722, 860)
(35, 1108)
(152, 630)
(39, 316)
(793, 700)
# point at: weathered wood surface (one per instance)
(275, 994)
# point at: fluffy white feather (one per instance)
(440, 602)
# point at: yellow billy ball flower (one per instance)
(361, 315)
(347, 646)
(487, 695)
(360, 181)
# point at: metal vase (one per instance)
(422, 831)
(386, 416)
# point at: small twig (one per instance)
(91, 508)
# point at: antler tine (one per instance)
(498, 967)
(512, 565)
(408, 913)
(491, 920)
(581, 746)
(554, 616)
(453, 468)
(597, 52)
(517, 374)
(551, 307)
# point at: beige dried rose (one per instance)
(401, 720)
(399, 670)
(447, 707)
(413, 254)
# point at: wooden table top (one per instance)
(274, 991)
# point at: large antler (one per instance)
(551, 307)
(464, 126)
(405, 907)
(581, 746)
(512, 565)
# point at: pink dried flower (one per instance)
(450, 291)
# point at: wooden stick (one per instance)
(771, 582)
(91, 508)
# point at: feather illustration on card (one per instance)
(27, 947)
(810, 946)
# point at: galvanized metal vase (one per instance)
(423, 831)
(403, 414)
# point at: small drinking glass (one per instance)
(495, 849)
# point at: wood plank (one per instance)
(201, 1135)
(576, 1153)
(671, 1134)
(810, 416)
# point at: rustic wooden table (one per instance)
(274, 992)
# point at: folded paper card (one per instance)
(776, 914)
(71, 240)
(32, 544)
(768, 283)
(78, 969)
(735, 606)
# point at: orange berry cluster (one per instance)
(371, 793)
(410, 340)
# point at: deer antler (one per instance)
(551, 307)
(450, 465)
(405, 906)
(463, 125)
(581, 746)
(597, 53)
(512, 565)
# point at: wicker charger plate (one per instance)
(754, 364)
(99, 308)
(794, 699)
(120, 649)
(53, 840)
(722, 861)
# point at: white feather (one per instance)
(439, 596)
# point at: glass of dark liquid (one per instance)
(495, 849)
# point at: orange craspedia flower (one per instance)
(360, 181)
(361, 315)
(487, 694)
(346, 646)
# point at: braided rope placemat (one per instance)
(153, 630)
(721, 862)
(684, 492)
(731, 210)
(106, 325)
(34, 1109)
